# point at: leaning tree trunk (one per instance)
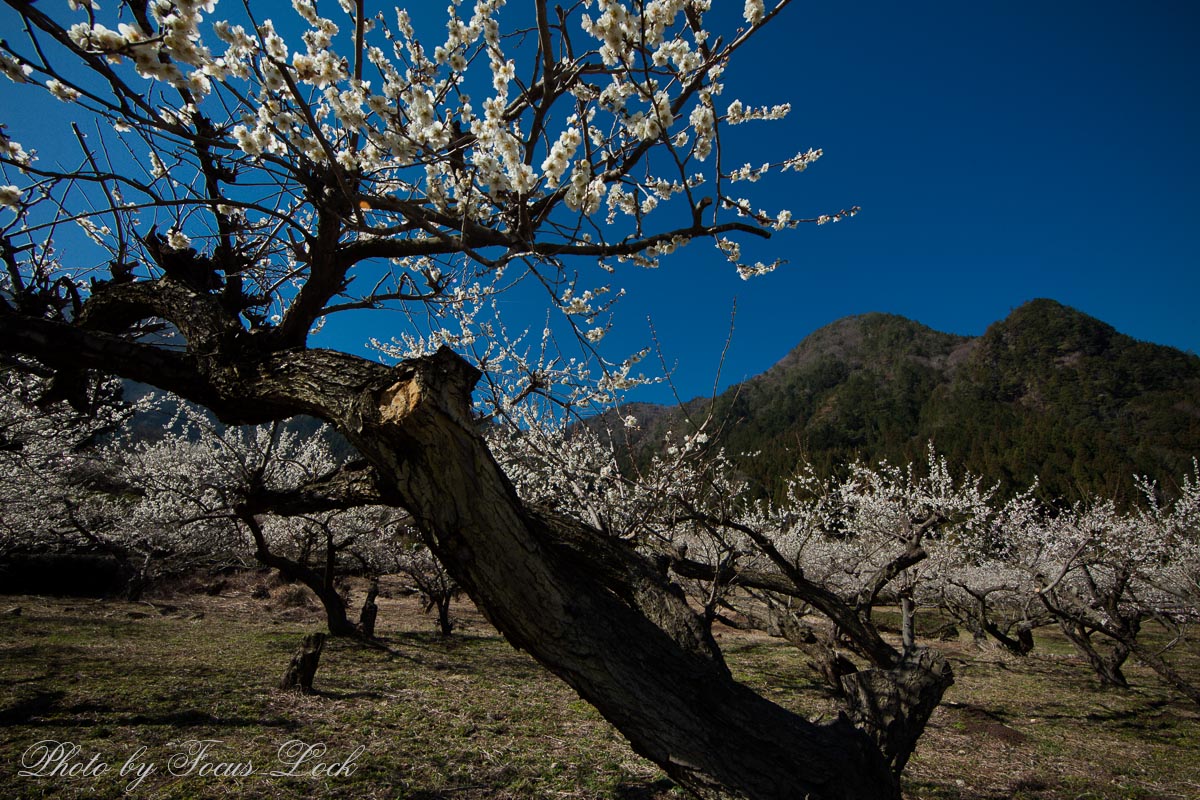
(1165, 671)
(1107, 666)
(1122, 631)
(595, 612)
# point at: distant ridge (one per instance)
(1048, 392)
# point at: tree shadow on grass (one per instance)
(466, 654)
(981, 721)
(24, 711)
(651, 790)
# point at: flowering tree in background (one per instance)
(55, 496)
(434, 585)
(825, 556)
(253, 492)
(243, 185)
(1103, 574)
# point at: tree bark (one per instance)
(1165, 671)
(596, 613)
(445, 624)
(303, 667)
(908, 613)
(1106, 666)
(1122, 631)
(370, 611)
(894, 705)
(1019, 645)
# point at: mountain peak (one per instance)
(864, 339)
(1047, 327)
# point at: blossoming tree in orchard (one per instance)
(207, 493)
(834, 548)
(254, 493)
(1103, 574)
(55, 495)
(242, 185)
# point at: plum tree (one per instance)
(241, 192)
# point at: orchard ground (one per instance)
(470, 717)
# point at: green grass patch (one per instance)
(470, 717)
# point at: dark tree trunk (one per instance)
(1165, 671)
(445, 624)
(894, 705)
(319, 584)
(1107, 666)
(1121, 629)
(981, 625)
(1024, 639)
(439, 599)
(303, 667)
(908, 631)
(1124, 638)
(595, 612)
(136, 586)
(366, 617)
(1021, 644)
(335, 611)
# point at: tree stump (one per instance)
(366, 617)
(300, 671)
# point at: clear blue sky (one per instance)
(1000, 151)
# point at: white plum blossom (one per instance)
(10, 197)
(14, 70)
(748, 271)
(737, 112)
(753, 11)
(62, 91)
(178, 240)
(702, 120)
(483, 189)
(560, 155)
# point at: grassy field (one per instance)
(470, 717)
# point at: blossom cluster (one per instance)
(287, 122)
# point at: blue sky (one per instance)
(1000, 151)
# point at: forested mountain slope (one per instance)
(1048, 392)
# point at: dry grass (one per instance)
(469, 717)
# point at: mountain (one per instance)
(1048, 392)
